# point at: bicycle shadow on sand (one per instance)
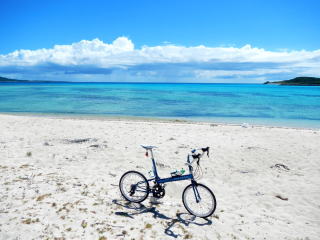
(138, 208)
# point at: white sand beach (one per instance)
(59, 180)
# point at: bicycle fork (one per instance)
(195, 191)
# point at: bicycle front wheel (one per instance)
(134, 186)
(199, 200)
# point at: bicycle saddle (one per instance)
(148, 147)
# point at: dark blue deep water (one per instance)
(231, 103)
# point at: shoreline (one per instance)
(150, 119)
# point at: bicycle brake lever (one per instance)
(206, 150)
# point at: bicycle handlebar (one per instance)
(199, 155)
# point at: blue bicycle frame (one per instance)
(159, 180)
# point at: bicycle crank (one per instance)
(158, 191)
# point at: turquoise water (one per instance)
(231, 103)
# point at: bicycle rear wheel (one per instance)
(199, 200)
(134, 186)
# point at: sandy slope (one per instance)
(53, 187)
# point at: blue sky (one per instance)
(252, 40)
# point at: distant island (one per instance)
(3, 79)
(9, 80)
(298, 81)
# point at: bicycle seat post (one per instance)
(155, 172)
(149, 148)
(152, 157)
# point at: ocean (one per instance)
(292, 106)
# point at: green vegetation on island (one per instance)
(3, 79)
(298, 81)
(9, 80)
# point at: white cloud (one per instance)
(169, 61)
(80, 53)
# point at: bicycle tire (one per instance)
(127, 194)
(207, 190)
